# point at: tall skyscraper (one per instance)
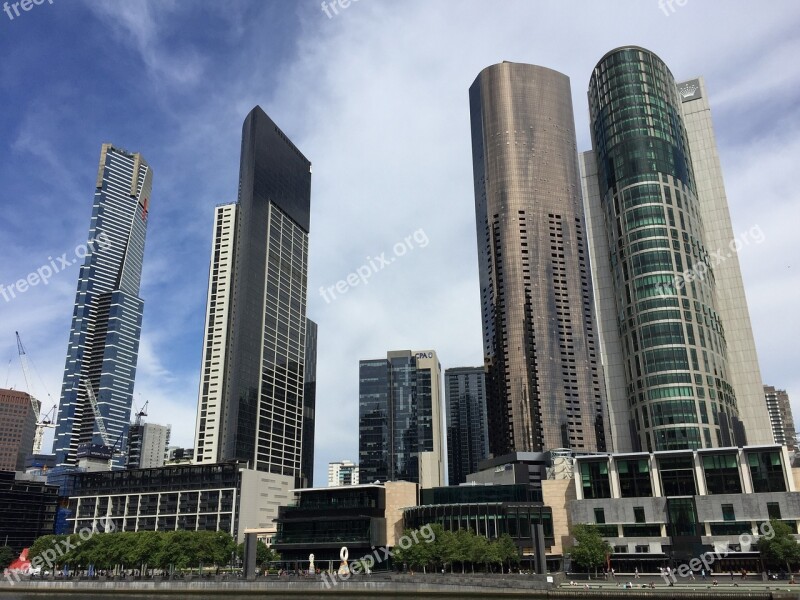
(342, 472)
(103, 345)
(780, 416)
(17, 429)
(544, 378)
(309, 404)
(467, 436)
(400, 419)
(148, 445)
(664, 338)
(251, 408)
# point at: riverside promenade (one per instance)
(395, 586)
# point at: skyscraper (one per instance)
(253, 378)
(342, 472)
(17, 429)
(309, 404)
(544, 378)
(400, 419)
(664, 339)
(107, 321)
(780, 416)
(467, 436)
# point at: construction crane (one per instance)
(109, 448)
(41, 422)
(141, 413)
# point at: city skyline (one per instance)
(363, 129)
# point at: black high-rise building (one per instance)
(467, 436)
(309, 404)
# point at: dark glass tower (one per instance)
(674, 390)
(107, 321)
(258, 409)
(544, 378)
(400, 427)
(467, 437)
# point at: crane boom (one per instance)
(23, 358)
(101, 426)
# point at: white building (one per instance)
(343, 472)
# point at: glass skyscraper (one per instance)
(400, 419)
(664, 340)
(107, 320)
(467, 436)
(544, 377)
(254, 355)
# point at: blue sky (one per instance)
(376, 98)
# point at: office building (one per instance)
(309, 404)
(342, 472)
(17, 429)
(663, 335)
(544, 381)
(179, 456)
(253, 375)
(27, 509)
(400, 419)
(780, 416)
(321, 520)
(103, 342)
(225, 497)
(148, 445)
(467, 435)
(668, 508)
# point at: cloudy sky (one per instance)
(376, 97)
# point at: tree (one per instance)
(264, 554)
(509, 552)
(461, 543)
(781, 547)
(7, 556)
(479, 551)
(591, 550)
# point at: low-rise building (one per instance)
(217, 497)
(27, 509)
(662, 509)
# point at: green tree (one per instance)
(7, 556)
(509, 552)
(264, 554)
(781, 548)
(478, 551)
(461, 543)
(591, 550)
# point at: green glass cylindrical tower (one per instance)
(673, 341)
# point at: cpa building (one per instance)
(219, 497)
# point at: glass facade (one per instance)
(103, 346)
(722, 474)
(398, 417)
(467, 436)
(766, 471)
(27, 510)
(543, 386)
(634, 478)
(677, 476)
(595, 480)
(673, 339)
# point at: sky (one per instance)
(375, 95)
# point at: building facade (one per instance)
(148, 445)
(223, 497)
(103, 345)
(467, 434)
(780, 416)
(544, 377)
(17, 429)
(256, 415)
(666, 508)
(343, 472)
(400, 419)
(27, 509)
(309, 404)
(663, 335)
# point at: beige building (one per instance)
(17, 429)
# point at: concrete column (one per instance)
(613, 477)
(699, 477)
(744, 472)
(655, 480)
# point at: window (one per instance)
(594, 480)
(682, 517)
(728, 514)
(634, 477)
(599, 516)
(766, 471)
(638, 514)
(677, 476)
(642, 549)
(722, 474)
(773, 510)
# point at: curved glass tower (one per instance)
(672, 341)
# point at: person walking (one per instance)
(636, 573)
(703, 574)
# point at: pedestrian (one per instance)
(613, 573)
(703, 574)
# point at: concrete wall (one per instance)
(399, 495)
(557, 494)
(262, 493)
